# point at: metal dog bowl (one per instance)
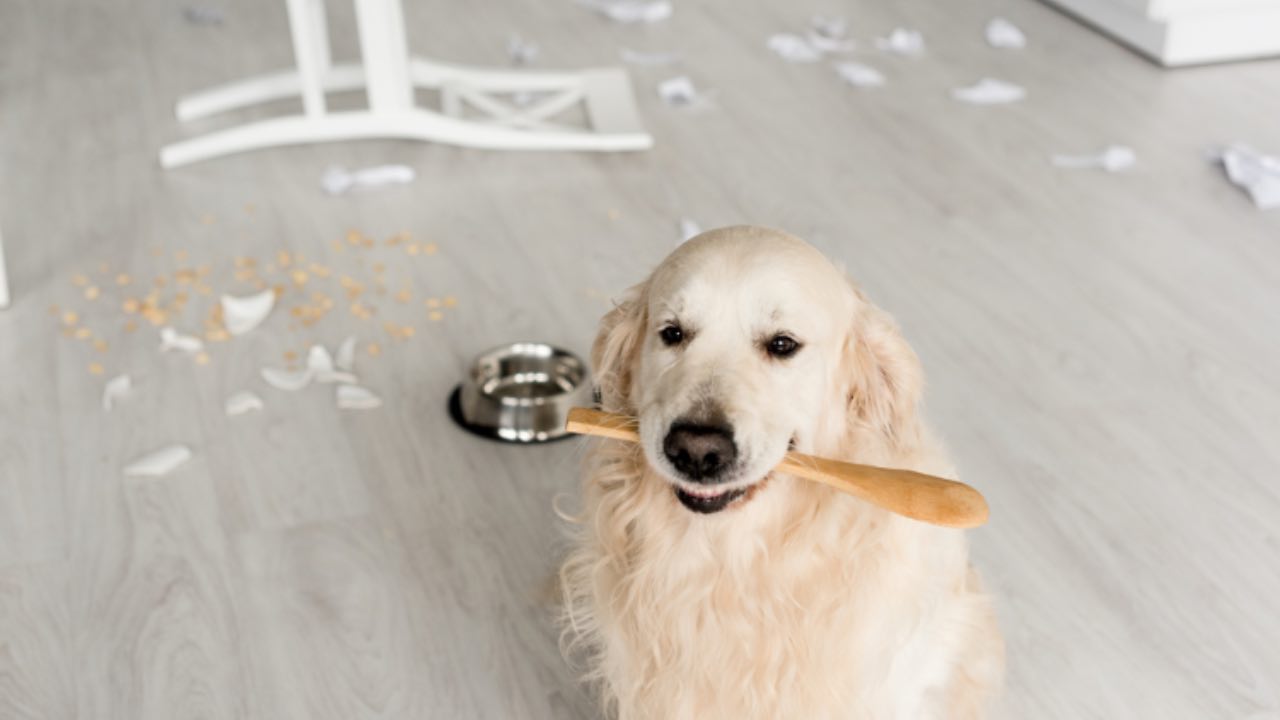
(521, 393)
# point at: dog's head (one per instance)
(746, 342)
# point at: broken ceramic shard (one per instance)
(793, 48)
(171, 339)
(241, 403)
(287, 380)
(1257, 173)
(636, 57)
(689, 229)
(354, 397)
(902, 41)
(989, 91)
(159, 463)
(1113, 158)
(859, 75)
(242, 314)
(345, 360)
(320, 364)
(1005, 35)
(338, 180)
(115, 389)
(631, 11)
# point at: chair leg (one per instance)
(4, 277)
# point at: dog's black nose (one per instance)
(700, 452)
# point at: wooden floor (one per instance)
(1102, 353)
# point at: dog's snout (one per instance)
(700, 452)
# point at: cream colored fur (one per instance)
(799, 602)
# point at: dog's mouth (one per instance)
(712, 500)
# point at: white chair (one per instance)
(478, 108)
(4, 277)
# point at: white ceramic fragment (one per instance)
(159, 463)
(242, 314)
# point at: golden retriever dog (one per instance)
(703, 585)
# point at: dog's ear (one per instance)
(616, 349)
(885, 377)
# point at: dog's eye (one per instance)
(671, 335)
(781, 346)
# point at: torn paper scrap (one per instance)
(903, 42)
(115, 389)
(859, 75)
(345, 360)
(241, 403)
(1113, 158)
(793, 48)
(989, 91)
(828, 35)
(202, 15)
(631, 11)
(689, 229)
(338, 180)
(521, 52)
(320, 364)
(1257, 173)
(1005, 35)
(680, 92)
(287, 380)
(637, 57)
(242, 314)
(159, 463)
(354, 397)
(171, 339)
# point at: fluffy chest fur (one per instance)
(799, 604)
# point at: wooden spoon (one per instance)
(915, 495)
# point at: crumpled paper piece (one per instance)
(1113, 158)
(989, 91)
(902, 41)
(159, 463)
(793, 48)
(521, 52)
(1257, 173)
(1005, 35)
(829, 35)
(680, 92)
(859, 75)
(338, 180)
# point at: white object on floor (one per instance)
(115, 389)
(159, 463)
(338, 180)
(1186, 32)
(345, 359)
(903, 42)
(354, 397)
(989, 91)
(793, 48)
(287, 380)
(632, 11)
(1113, 158)
(241, 403)
(389, 77)
(320, 364)
(242, 314)
(829, 35)
(859, 75)
(678, 91)
(1258, 174)
(4, 277)
(1005, 35)
(171, 339)
(521, 52)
